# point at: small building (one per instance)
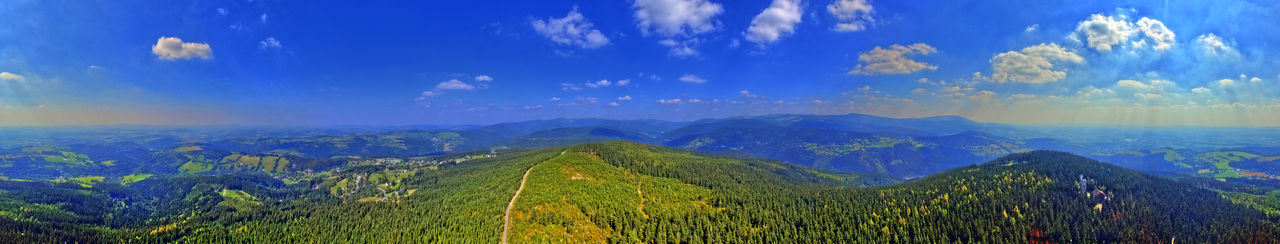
(1100, 195)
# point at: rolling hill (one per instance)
(629, 192)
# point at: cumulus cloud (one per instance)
(614, 104)
(677, 19)
(485, 78)
(171, 48)
(852, 15)
(1226, 82)
(1152, 86)
(573, 29)
(1155, 30)
(1200, 90)
(269, 44)
(779, 19)
(624, 82)
(983, 96)
(598, 84)
(692, 79)
(625, 98)
(893, 60)
(1212, 44)
(454, 85)
(1103, 33)
(554, 99)
(1034, 64)
(747, 94)
(10, 76)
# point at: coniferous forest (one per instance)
(622, 192)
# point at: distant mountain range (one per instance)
(902, 147)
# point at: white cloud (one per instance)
(983, 96)
(865, 89)
(779, 19)
(10, 76)
(171, 48)
(692, 79)
(853, 15)
(1147, 95)
(676, 17)
(919, 91)
(1255, 80)
(1157, 32)
(598, 84)
(485, 78)
(625, 98)
(1212, 44)
(614, 104)
(893, 60)
(1152, 86)
(673, 101)
(624, 82)
(263, 18)
(573, 29)
(1131, 84)
(1032, 64)
(681, 48)
(585, 101)
(554, 99)
(1021, 96)
(1200, 90)
(223, 11)
(1226, 82)
(454, 85)
(747, 94)
(1103, 33)
(569, 87)
(1033, 28)
(428, 94)
(269, 43)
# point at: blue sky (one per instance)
(390, 63)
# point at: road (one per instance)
(506, 218)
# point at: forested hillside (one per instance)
(628, 192)
(609, 192)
